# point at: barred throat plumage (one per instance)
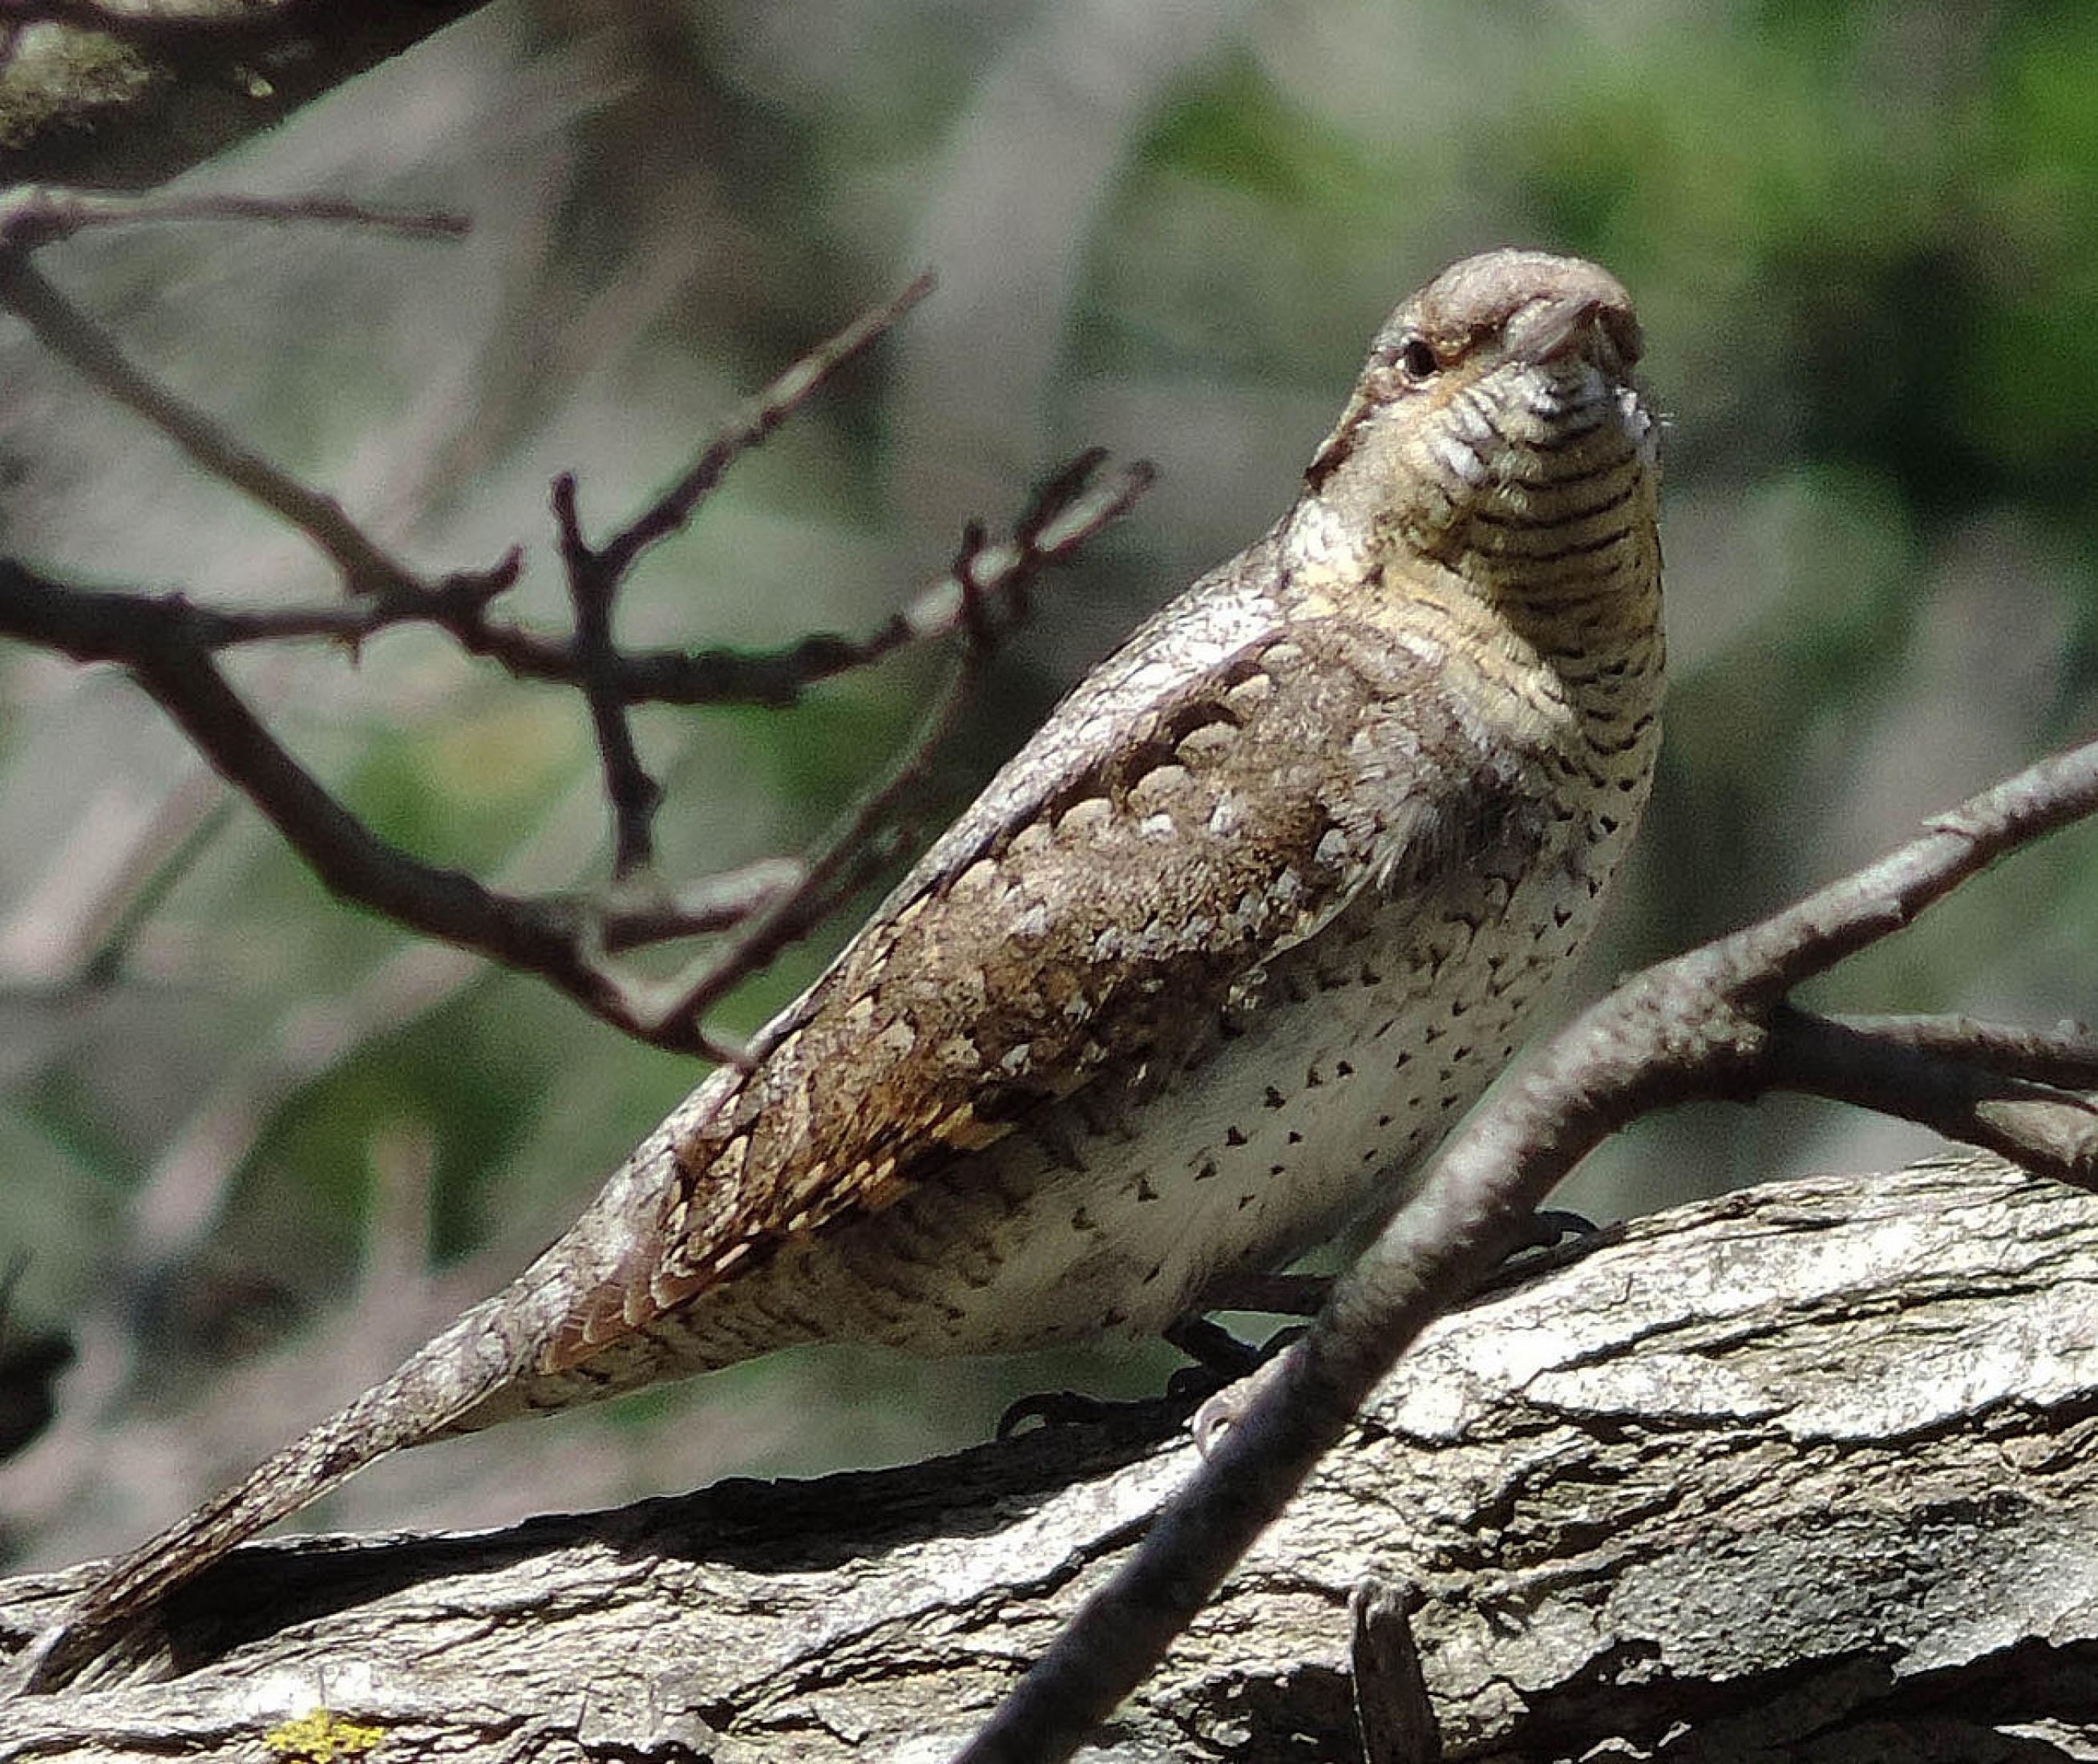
(1206, 971)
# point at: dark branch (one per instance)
(593, 583)
(2067, 1055)
(31, 219)
(170, 85)
(64, 331)
(148, 637)
(772, 679)
(761, 416)
(168, 644)
(714, 903)
(1847, 916)
(595, 575)
(1712, 1024)
(1973, 1093)
(988, 584)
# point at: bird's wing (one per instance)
(1210, 796)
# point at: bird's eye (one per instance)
(1417, 360)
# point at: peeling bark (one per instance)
(1801, 1472)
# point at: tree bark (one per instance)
(1800, 1473)
(174, 82)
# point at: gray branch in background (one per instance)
(562, 939)
(170, 645)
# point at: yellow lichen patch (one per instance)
(321, 1737)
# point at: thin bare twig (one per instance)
(168, 644)
(760, 418)
(772, 679)
(69, 334)
(1711, 1023)
(31, 219)
(595, 574)
(193, 815)
(593, 583)
(714, 903)
(552, 938)
(562, 938)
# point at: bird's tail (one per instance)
(486, 1366)
(441, 1381)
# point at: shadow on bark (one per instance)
(1800, 1473)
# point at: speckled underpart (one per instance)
(1220, 954)
(1207, 969)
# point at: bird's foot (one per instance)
(1221, 1359)
(1551, 1227)
(1214, 1349)
(1236, 1371)
(1057, 1408)
(1551, 1237)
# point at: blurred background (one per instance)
(255, 1146)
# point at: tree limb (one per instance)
(1712, 1024)
(125, 98)
(69, 334)
(559, 937)
(31, 219)
(168, 644)
(1800, 1472)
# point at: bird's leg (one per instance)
(1214, 1348)
(1220, 1358)
(1549, 1238)
(1074, 1408)
(1304, 1295)
(1551, 1227)
(1283, 1295)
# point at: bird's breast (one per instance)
(1310, 1101)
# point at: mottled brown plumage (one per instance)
(1204, 971)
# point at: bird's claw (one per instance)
(1229, 1406)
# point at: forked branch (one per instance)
(171, 645)
(563, 938)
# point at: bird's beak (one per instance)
(1556, 326)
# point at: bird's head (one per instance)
(1497, 429)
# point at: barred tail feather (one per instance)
(476, 1357)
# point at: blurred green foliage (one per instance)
(1863, 238)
